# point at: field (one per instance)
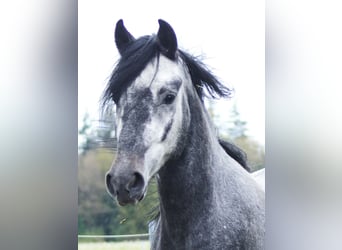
(124, 245)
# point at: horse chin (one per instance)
(133, 201)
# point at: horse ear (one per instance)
(122, 37)
(167, 39)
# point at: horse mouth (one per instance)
(123, 201)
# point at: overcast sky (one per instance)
(229, 34)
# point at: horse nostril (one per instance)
(136, 183)
(109, 184)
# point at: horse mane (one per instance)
(236, 153)
(143, 50)
(202, 78)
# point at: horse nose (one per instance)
(127, 188)
(136, 184)
(110, 184)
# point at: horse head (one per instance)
(148, 87)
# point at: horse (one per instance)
(207, 199)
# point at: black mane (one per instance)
(143, 50)
(202, 78)
(236, 153)
(132, 62)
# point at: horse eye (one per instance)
(169, 99)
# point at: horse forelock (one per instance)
(145, 50)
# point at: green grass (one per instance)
(124, 245)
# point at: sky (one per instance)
(229, 35)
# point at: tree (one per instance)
(237, 132)
(87, 139)
(99, 136)
(239, 127)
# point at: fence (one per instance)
(123, 236)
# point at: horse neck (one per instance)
(186, 184)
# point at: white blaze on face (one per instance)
(161, 132)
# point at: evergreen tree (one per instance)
(239, 127)
(86, 135)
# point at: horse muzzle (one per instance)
(128, 188)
